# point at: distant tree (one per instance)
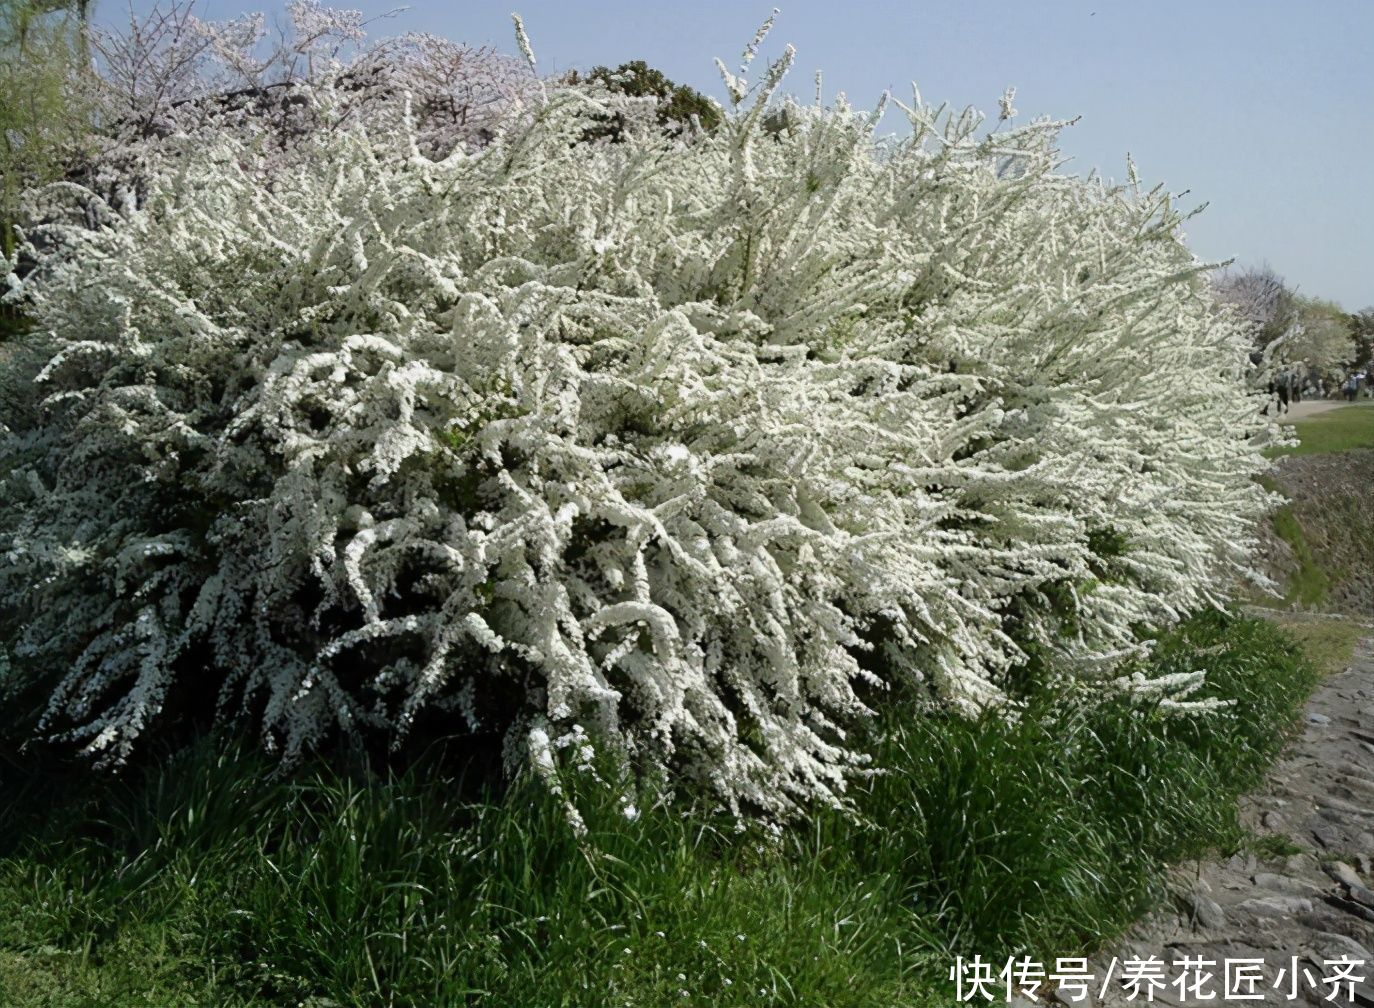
(676, 106)
(43, 100)
(1263, 300)
(1289, 329)
(22, 14)
(1319, 336)
(1362, 328)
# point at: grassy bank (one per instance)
(199, 879)
(1326, 641)
(1327, 558)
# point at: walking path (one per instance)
(1296, 912)
(1296, 411)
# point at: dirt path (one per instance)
(1308, 407)
(1295, 911)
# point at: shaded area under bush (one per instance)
(199, 877)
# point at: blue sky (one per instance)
(1263, 109)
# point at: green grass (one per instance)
(1272, 846)
(1327, 642)
(198, 878)
(1334, 430)
(1312, 580)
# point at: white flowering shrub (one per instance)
(684, 451)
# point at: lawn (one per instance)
(1335, 430)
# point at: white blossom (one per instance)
(675, 449)
(1004, 105)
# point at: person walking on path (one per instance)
(1284, 386)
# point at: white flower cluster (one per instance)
(686, 449)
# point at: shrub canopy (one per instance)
(690, 450)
